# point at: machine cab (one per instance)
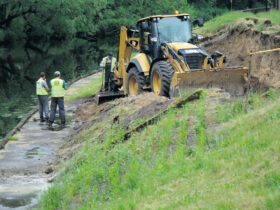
(159, 29)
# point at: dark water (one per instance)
(13, 109)
(21, 193)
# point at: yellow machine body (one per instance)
(150, 71)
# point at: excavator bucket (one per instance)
(232, 79)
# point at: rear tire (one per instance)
(135, 82)
(161, 76)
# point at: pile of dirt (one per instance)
(126, 109)
(242, 37)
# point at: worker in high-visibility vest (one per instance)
(109, 63)
(42, 93)
(57, 87)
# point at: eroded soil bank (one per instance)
(238, 39)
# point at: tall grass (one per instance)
(201, 124)
(229, 111)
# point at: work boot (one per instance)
(42, 119)
(50, 127)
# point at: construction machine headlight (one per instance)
(199, 37)
(216, 56)
(191, 51)
(154, 39)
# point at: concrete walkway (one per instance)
(24, 164)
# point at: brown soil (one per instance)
(125, 109)
(239, 39)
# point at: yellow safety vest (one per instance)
(57, 88)
(113, 64)
(40, 90)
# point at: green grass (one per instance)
(12, 138)
(219, 22)
(235, 109)
(237, 168)
(86, 91)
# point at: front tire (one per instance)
(161, 76)
(135, 82)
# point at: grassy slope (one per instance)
(219, 22)
(86, 91)
(241, 171)
(237, 168)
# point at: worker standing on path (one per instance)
(57, 87)
(109, 63)
(42, 93)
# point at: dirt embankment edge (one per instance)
(240, 38)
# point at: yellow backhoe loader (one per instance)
(169, 61)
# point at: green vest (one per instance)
(40, 90)
(113, 64)
(57, 88)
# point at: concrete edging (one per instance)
(22, 122)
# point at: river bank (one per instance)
(13, 109)
(26, 162)
(17, 109)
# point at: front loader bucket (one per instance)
(105, 96)
(232, 80)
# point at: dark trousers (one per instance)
(43, 106)
(108, 78)
(60, 102)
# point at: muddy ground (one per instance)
(237, 40)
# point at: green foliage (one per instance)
(272, 94)
(86, 91)
(201, 125)
(219, 22)
(260, 27)
(47, 36)
(233, 110)
(229, 111)
(12, 138)
(236, 4)
(73, 35)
